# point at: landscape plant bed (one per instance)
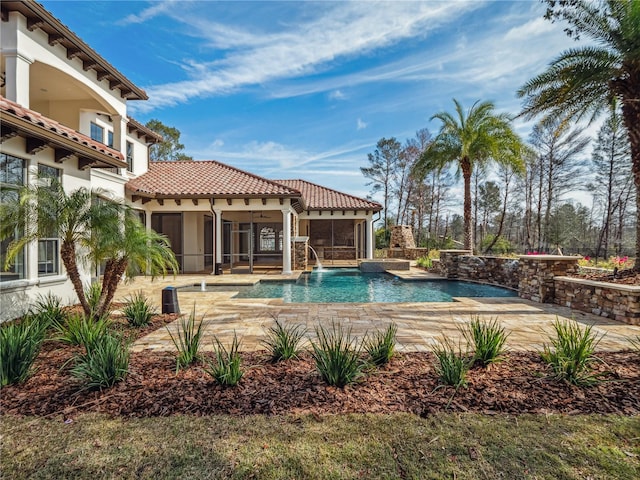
(625, 277)
(520, 384)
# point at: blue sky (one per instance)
(306, 89)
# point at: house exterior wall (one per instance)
(76, 98)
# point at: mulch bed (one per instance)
(625, 277)
(519, 384)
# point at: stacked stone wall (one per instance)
(449, 265)
(619, 302)
(301, 253)
(536, 275)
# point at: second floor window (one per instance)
(97, 133)
(130, 156)
(110, 138)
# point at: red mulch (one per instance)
(520, 384)
(626, 277)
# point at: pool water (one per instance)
(350, 285)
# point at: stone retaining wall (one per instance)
(536, 275)
(620, 302)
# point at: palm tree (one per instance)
(470, 140)
(90, 227)
(582, 82)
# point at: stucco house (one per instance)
(63, 111)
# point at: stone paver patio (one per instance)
(420, 325)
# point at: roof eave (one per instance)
(39, 17)
(54, 140)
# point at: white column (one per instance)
(17, 77)
(119, 133)
(371, 235)
(217, 234)
(286, 242)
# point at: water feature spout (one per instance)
(318, 264)
(203, 286)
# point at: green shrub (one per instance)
(226, 369)
(138, 311)
(77, 329)
(337, 361)
(571, 352)
(103, 364)
(501, 246)
(92, 293)
(48, 310)
(380, 345)
(187, 340)
(283, 342)
(452, 364)
(424, 262)
(19, 347)
(487, 337)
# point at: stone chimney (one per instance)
(402, 237)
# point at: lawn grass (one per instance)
(460, 446)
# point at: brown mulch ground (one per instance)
(626, 277)
(520, 384)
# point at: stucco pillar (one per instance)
(371, 234)
(17, 77)
(286, 242)
(217, 234)
(119, 133)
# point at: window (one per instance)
(129, 156)
(48, 263)
(109, 138)
(267, 239)
(97, 133)
(12, 177)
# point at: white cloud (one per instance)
(157, 8)
(344, 30)
(337, 95)
(360, 125)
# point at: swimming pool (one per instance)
(350, 285)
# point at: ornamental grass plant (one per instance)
(488, 339)
(187, 339)
(104, 363)
(226, 369)
(452, 364)
(571, 352)
(380, 346)
(283, 342)
(19, 346)
(337, 359)
(78, 329)
(48, 310)
(138, 311)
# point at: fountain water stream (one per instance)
(318, 264)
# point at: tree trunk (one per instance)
(68, 254)
(465, 166)
(502, 216)
(631, 115)
(112, 275)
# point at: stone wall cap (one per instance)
(566, 258)
(612, 286)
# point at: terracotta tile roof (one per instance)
(192, 179)
(317, 197)
(37, 121)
